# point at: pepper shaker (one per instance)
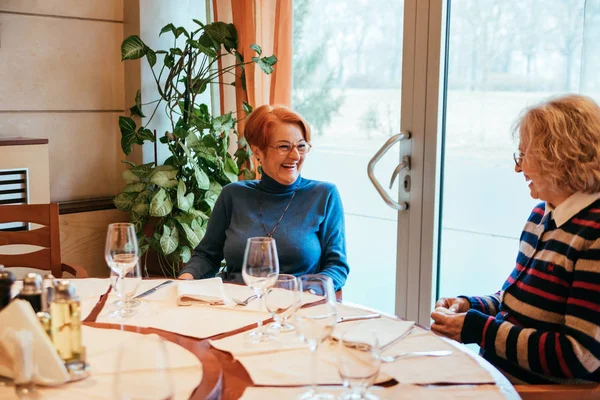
(7, 278)
(32, 291)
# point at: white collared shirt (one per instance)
(571, 206)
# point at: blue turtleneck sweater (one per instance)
(310, 238)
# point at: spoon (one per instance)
(436, 353)
(244, 303)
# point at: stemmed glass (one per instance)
(260, 271)
(282, 301)
(315, 321)
(121, 254)
(143, 370)
(358, 363)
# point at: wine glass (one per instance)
(121, 254)
(358, 363)
(260, 270)
(315, 321)
(125, 283)
(282, 301)
(143, 370)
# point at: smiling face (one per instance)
(285, 169)
(539, 188)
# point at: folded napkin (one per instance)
(17, 322)
(238, 345)
(386, 330)
(207, 291)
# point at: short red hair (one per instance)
(262, 120)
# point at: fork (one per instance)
(436, 353)
(244, 303)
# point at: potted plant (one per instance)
(170, 204)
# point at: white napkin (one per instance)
(385, 329)
(207, 291)
(239, 346)
(48, 368)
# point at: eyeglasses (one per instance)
(284, 147)
(518, 157)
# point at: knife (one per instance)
(154, 289)
(357, 317)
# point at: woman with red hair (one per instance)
(304, 216)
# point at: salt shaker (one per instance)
(32, 291)
(48, 283)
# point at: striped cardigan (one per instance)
(544, 325)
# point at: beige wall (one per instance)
(61, 78)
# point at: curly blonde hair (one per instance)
(562, 136)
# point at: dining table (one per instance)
(224, 376)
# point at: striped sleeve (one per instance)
(574, 352)
(488, 305)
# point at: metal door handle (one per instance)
(404, 164)
(371, 170)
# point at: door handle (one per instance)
(404, 164)
(405, 135)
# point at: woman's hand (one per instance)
(186, 276)
(454, 304)
(449, 325)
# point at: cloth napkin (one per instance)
(207, 291)
(238, 345)
(17, 322)
(385, 329)
(483, 392)
(459, 367)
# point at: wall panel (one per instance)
(60, 64)
(97, 9)
(85, 150)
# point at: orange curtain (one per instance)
(267, 23)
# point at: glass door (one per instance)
(498, 57)
(347, 77)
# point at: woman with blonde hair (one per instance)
(543, 326)
(304, 216)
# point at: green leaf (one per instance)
(137, 108)
(167, 28)
(144, 197)
(211, 195)
(124, 201)
(222, 33)
(231, 170)
(265, 63)
(184, 202)
(140, 209)
(151, 56)
(249, 175)
(181, 30)
(164, 179)
(185, 253)
(223, 123)
(127, 127)
(201, 178)
(256, 48)
(127, 143)
(134, 187)
(193, 233)
(161, 204)
(169, 61)
(129, 176)
(133, 48)
(169, 240)
(143, 171)
(247, 107)
(198, 22)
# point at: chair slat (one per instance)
(38, 259)
(36, 237)
(35, 213)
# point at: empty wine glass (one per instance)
(358, 363)
(282, 301)
(315, 321)
(143, 370)
(121, 254)
(125, 283)
(260, 270)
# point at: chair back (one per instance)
(47, 237)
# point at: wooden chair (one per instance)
(47, 237)
(559, 392)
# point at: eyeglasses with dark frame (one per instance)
(284, 147)
(518, 157)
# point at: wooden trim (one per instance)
(21, 141)
(115, 21)
(78, 206)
